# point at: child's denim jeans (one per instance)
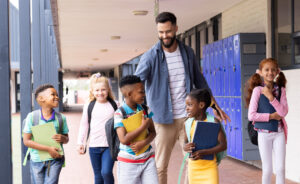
(46, 172)
(102, 165)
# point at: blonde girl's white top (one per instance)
(101, 113)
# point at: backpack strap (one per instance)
(145, 108)
(123, 112)
(113, 103)
(36, 117)
(60, 122)
(90, 109)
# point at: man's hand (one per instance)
(53, 151)
(221, 115)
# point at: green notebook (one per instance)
(42, 134)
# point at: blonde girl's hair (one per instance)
(97, 78)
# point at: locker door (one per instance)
(228, 127)
(203, 62)
(230, 67)
(239, 128)
(233, 127)
(237, 66)
(208, 65)
(211, 66)
(226, 67)
(214, 65)
(220, 70)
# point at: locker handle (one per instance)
(234, 68)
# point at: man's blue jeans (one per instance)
(102, 165)
(46, 172)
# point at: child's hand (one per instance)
(136, 146)
(197, 154)
(275, 116)
(268, 93)
(53, 151)
(189, 147)
(145, 121)
(80, 149)
(60, 138)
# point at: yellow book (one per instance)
(131, 124)
(42, 134)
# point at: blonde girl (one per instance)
(269, 84)
(102, 96)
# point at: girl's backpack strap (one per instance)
(222, 154)
(188, 126)
(210, 118)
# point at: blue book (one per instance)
(205, 137)
(264, 106)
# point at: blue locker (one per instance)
(207, 65)
(202, 61)
(239, 130)
(220, 70)
(232, 127)
(228, 126)
(211, 61)
(230, 66)
(226, 67)
(237, 66)
(224, 62)
(214, 64)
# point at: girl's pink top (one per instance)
(101, 113)
(280, 107)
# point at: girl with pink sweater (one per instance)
(102, 162)
(271, 127)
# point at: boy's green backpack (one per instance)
(35, 121)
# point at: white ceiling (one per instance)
(86, 26)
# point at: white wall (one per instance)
(293, 121)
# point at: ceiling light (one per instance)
(140, 12)
(103, 50)
(115, 37)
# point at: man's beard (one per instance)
(168, 45)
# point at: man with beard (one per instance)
(170, 71)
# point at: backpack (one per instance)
(90, 109)
(35, 122)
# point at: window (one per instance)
(286, 33)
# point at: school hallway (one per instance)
(78, 169)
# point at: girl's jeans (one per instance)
(102, 164)
(46, 172)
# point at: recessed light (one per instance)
(140, 12)
(115, 37)
(103, 50)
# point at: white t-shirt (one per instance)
(176, 82)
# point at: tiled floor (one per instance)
(78, 168)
